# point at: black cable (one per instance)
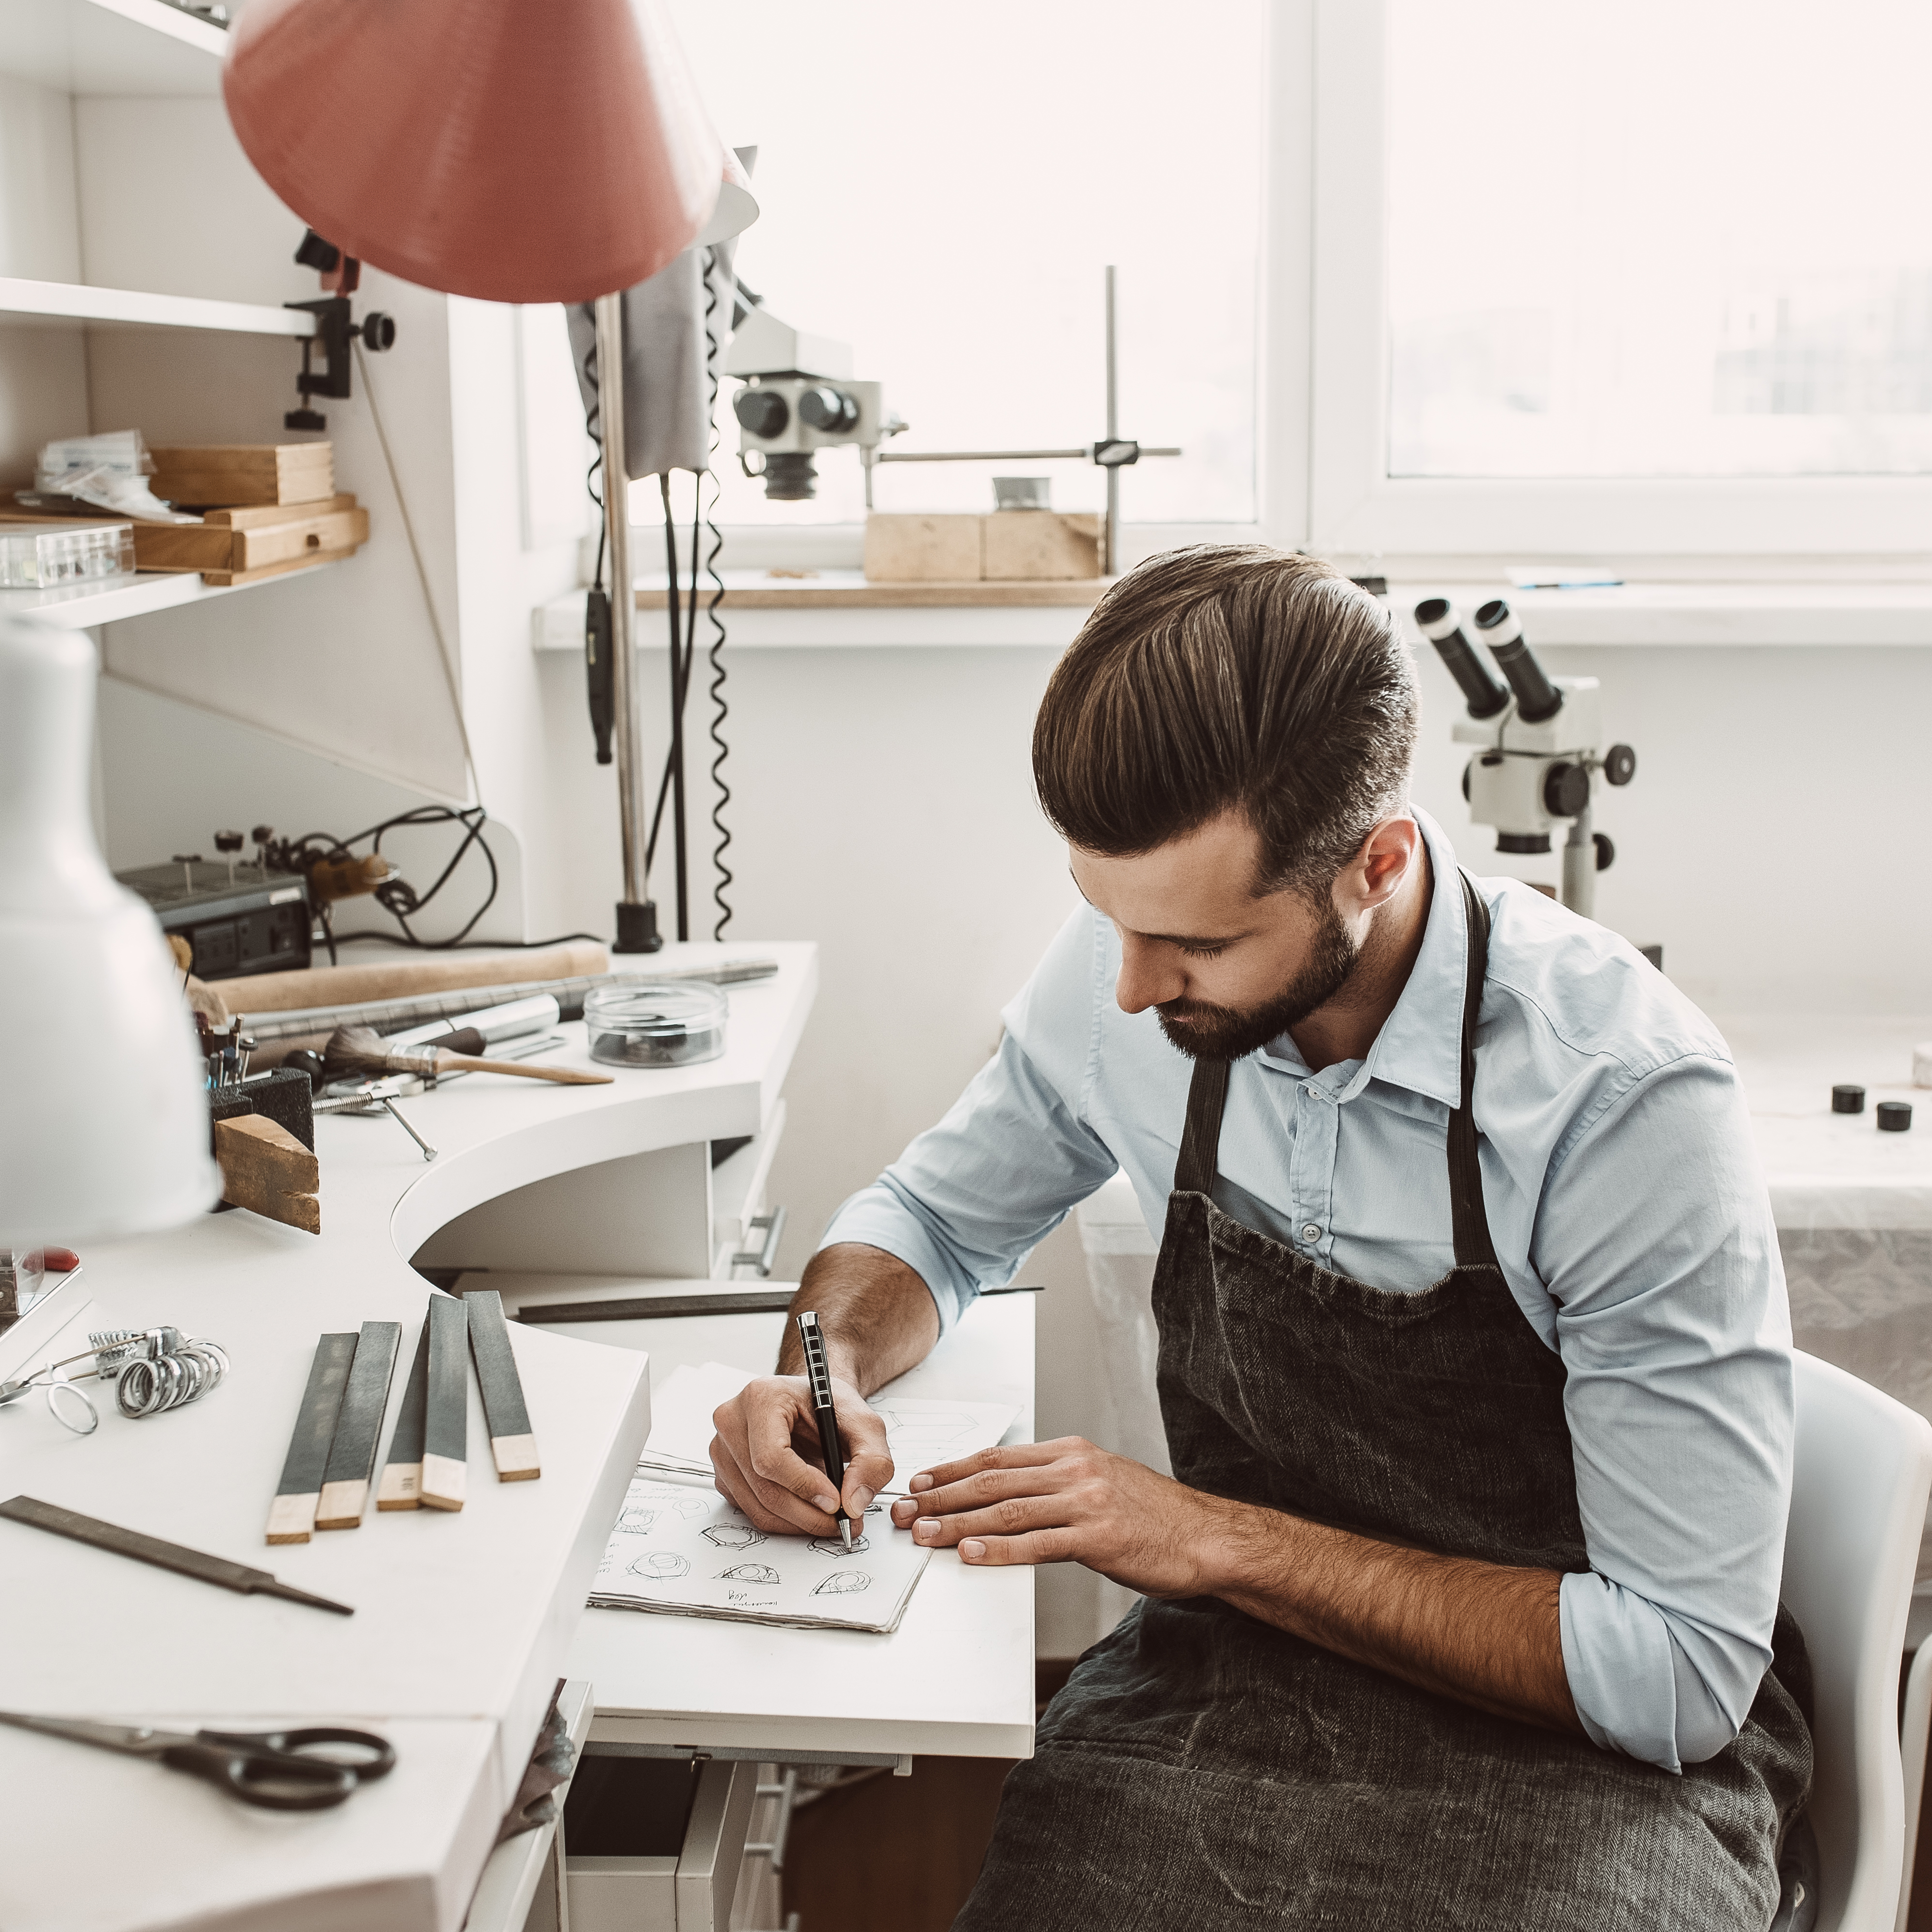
(674, 609)
(479, 945)
(721, 793)
(593, 427)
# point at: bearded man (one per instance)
(1460, 1607)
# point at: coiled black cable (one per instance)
(720, 710)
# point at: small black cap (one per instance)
(1895, 1117)
(1848, 1100)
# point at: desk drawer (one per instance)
(689, 1891)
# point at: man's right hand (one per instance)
(766, 1457)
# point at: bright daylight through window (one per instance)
(1659, 240)
(958, 245)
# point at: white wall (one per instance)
(42, 371)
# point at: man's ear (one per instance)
(1380, 864)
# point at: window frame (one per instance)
(1356, 508)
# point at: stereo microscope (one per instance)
(799, 398)
(1539, 739)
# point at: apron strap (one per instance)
(1474, 1248)
(1201, 1140)
(1208, 1096)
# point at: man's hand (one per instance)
(767, 1458)
(1487, 1633)
(1067, 1501)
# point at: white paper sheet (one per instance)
(920, 1431)
(679, 1548)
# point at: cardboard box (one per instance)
(193, 475)
(1034, 546)
(922, 549)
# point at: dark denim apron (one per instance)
(1204, 1769)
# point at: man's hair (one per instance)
(1230, 676)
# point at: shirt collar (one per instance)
(1420, 1045)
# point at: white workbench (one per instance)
(463, 1623)
(955, 1679)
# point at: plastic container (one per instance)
(647, 1025)
(34, 555)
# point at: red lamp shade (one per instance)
(515, 150)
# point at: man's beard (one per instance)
(1204, 1031)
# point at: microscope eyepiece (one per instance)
(1435, 619)
(1538, 700)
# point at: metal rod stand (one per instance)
(637, 916)
(1579, 867)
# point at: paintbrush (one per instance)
(361, 1050)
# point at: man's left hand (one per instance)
(1067, 1501)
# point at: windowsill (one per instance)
(836, 607)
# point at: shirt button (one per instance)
(1311, 1231)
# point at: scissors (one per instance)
(284, 1771)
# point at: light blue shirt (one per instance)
(1624, 1198)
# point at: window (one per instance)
(1656, 276)
(942, 186)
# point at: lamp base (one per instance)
(637, 928)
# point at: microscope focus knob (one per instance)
(828, 410)
(1606, 853)
(1566, 790)
(763, 411)
(1619, 765)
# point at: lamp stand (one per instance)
(637, 916)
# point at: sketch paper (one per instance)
(920, 1430)
(679, 1548)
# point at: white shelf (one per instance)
(78, 607)
(1738, 613)
(90, 47)
(26, 304)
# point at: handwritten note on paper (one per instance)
(678, 1548)
(920, 1430)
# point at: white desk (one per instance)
(955, 1679)
(463, 1624)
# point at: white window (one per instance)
(1654, 277)
(942, 186)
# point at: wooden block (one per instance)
(232, 474)
(225, 577)
(1033, 545)
(265, 1168)
(254, 516)
(352, 1453)
(922, 549)
(401, 1487)
(303, 538)
(184, 547)
(446, 1414)
(292, 1515)
(512, 1444)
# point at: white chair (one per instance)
(1862, 1475)
(1911, 1742)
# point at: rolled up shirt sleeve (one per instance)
(969, 1199)
(1654, 1237)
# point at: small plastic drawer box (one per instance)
(40, 556)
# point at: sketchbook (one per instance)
(679, 1548)
(920, 1431)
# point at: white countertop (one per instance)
(954, 1679)
(1828, 1170)
(464, 1622)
